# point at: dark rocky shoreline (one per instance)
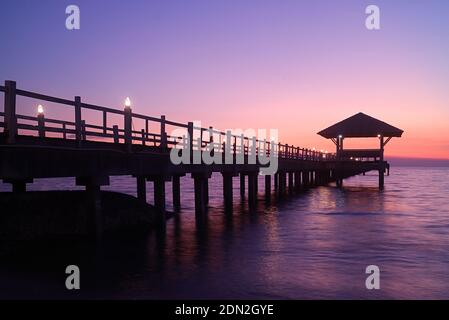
(45, 215)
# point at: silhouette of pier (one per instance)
(33, 146)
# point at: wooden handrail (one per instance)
(101, 108)
(43, 97)
(129, 135)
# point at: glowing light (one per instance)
(378, 135)
(127, 102)
(40, 109)
(340, 136)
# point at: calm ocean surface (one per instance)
(313, 245)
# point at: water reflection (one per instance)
(312, 245)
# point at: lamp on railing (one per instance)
(127, 102)
(40, 121)
(128, 122)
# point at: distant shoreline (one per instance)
(418, 162)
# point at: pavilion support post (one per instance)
(276, 181)
(381, 178)
(382, 164)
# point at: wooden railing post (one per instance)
(83, 130)
(200, 145)
(235, 146)
(64, 131)
(252, 151)
(143, 136)
(127, 116)
(163, 133)
(10, 111)
(78, 124)
(211, 139)
(115, 133)
(105, 122)
(41, 125)
(190, 139)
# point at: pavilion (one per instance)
(361, 125)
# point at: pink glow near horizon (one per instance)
(295, 67)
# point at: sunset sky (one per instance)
(297, 66)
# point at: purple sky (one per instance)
(292, 65)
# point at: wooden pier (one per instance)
(33, 146)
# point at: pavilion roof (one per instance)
(360, 125)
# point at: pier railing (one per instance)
(153, 132)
